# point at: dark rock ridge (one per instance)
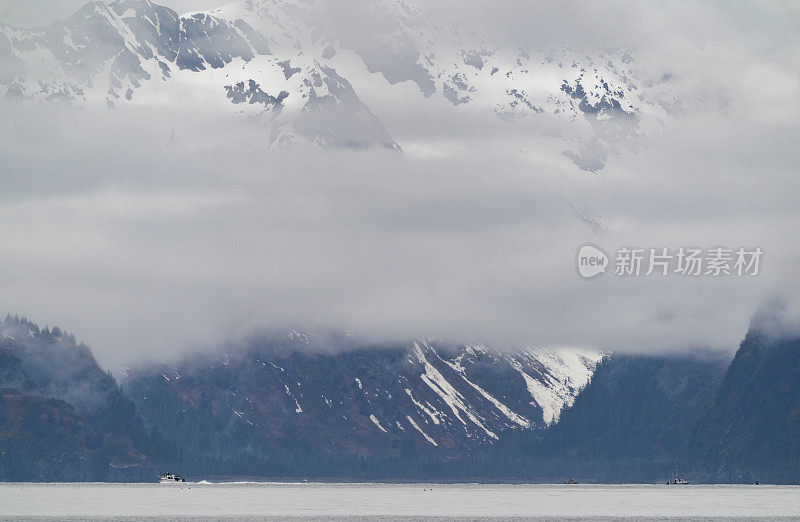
(253, 94)
(751, 430)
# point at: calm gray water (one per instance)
(393, 501)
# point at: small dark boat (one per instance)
(678, 481)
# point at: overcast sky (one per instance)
(143, 249)
(26, 13)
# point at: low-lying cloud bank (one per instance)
(144, 247)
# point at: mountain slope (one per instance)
(299, 407)
(597, 93)
(632, 422)
(751, 430)
(288, 399)
(58, 395)
(297, 67)
(130, 51)
(46, 440)
(103, 53)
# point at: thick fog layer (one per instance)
(153, 229)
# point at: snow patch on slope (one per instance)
(452, 397)
(561, 376)
(414, 424)
(376, 422)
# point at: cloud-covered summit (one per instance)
(301, 68)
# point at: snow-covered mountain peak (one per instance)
(283, 61)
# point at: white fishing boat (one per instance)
(170, 478)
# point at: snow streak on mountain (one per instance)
(368, 401)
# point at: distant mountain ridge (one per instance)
(298, 407)
(373, 401)
(293, 65)
(272, 404)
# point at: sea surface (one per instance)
(315, 501)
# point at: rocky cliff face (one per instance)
(751, 430)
